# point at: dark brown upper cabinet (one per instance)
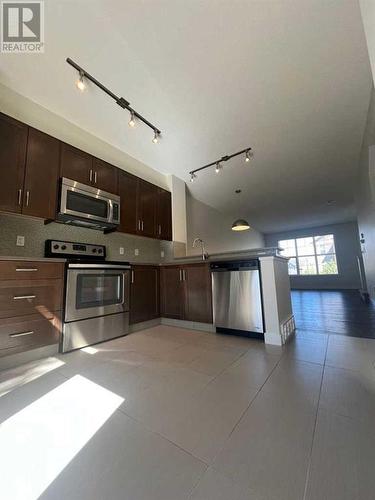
(146, 209)
(76, 164)
(128, 187)
(13, 141)
(164, 215)
(144, 293)
(41, 175)
(104, 176)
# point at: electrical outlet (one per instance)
(20, 241)
(136, 251)
(122, 250)
(162, 254)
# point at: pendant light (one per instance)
(240, 225)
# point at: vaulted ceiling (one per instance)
(290, 78)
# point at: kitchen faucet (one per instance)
(204, 253)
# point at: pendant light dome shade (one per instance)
(240, 225)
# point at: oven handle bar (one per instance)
(98, 266)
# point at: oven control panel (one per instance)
(58, 248)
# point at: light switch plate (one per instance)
(20, 241)
(122, 250)
(136, 251)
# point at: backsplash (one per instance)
(35, 233)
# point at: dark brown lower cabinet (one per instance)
(171, 292)
(144, 293)
(198, 295)
(186, 292)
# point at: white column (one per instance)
(277, 305)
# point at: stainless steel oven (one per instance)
(83, 205)
(96, 303)
(96, 290)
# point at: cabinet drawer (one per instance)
(21, 334)
(30, 270)
(23, 297)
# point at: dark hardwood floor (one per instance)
(339, 312)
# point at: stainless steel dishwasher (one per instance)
(237, 297)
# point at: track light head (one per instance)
(155, 140)
(132, 120)
(80, 83)
(218, 167)
(192, 176)
(248, 155)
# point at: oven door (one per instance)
(85, 202)
(96, 292)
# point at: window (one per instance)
(311, 255)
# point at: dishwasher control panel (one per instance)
(235, 265)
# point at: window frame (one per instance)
(315, 255)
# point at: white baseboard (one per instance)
(189, 325)
(143, 325)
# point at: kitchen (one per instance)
(180, 261)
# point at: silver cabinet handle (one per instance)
(20, 197)
(21, 334)
(139, 224)
(132, 277)
(90, 175)
(95, 177)
(142, 225)
(21, 297)
(159, 229)
(183, 275)
(27, 198)
(26, 269)
(180, 274)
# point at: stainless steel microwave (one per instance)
(86, 206)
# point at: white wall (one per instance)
(365, 198)
(368, 18)
(215, 229)
(347, 249)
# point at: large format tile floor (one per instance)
(173, 414)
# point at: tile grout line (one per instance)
(308, 472)
(244, 412)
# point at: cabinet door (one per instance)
(144, 294)
(41, 176)
(105, 176)
(147, 204)
(164, 215)
(76, 164)
(13, 139)
(198, 296)
(171, 292)
(128, 186)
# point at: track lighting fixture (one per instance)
(218, 163)
(155, 140)
(80, 82)
(123, 103)
(131, 121)
(248, 155)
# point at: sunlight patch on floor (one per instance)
(39, 441)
